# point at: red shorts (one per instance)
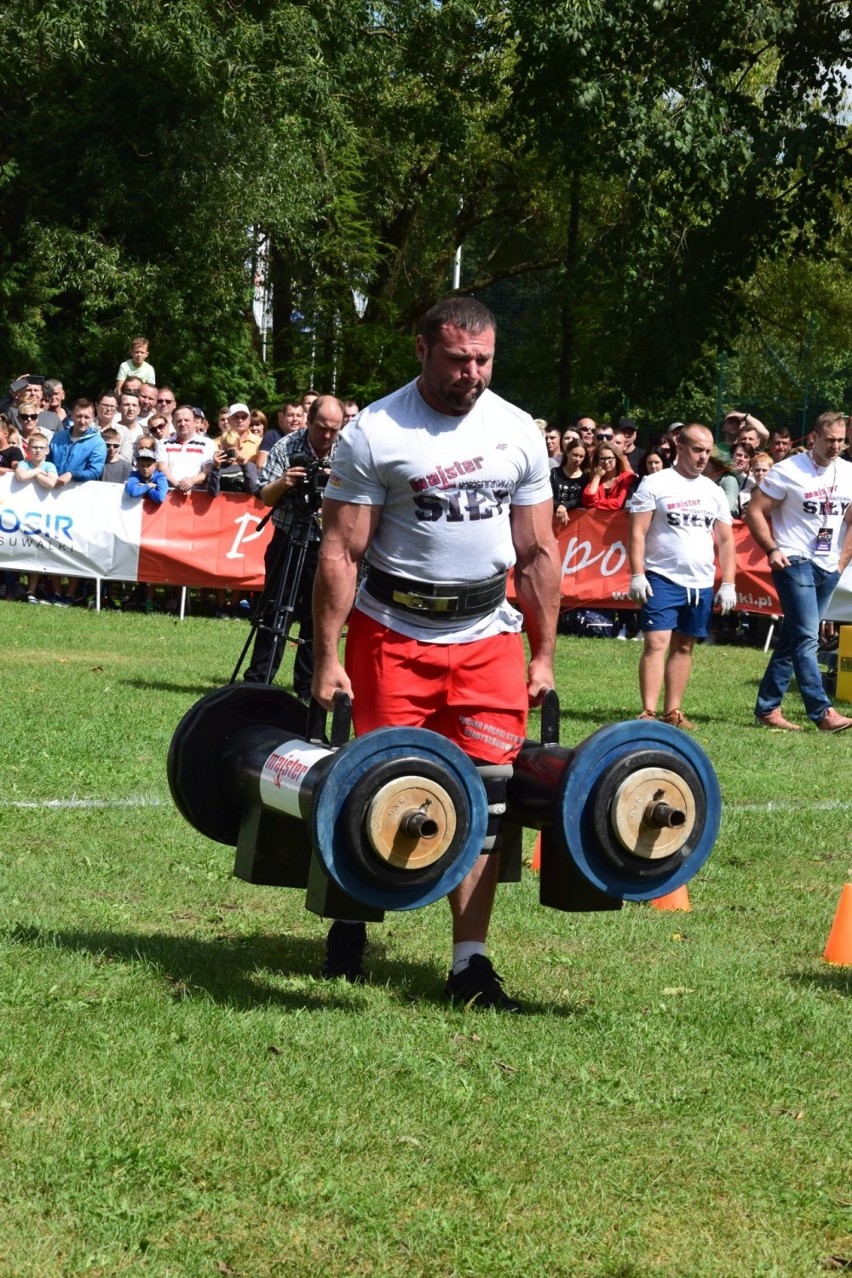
(473, 693)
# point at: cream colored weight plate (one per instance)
(396, 801)
(636, 797)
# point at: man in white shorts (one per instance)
(677, 519)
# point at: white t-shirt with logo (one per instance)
(445, 485)
(812, 497)
(679, 544)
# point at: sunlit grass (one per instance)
(181, 1096)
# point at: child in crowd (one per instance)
(116, 468)
(136, 365)
(37, 468)
(146, 480)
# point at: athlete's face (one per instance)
(456, 368)
(694, 447)
(829, 443)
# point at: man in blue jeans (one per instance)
(798, 517)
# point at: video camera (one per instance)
(308, 492)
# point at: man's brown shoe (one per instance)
(831, 721)
(775, 719)
(678, 720)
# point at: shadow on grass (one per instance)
(232, 970)
(162, 685)
(836, 980)
(229, 970)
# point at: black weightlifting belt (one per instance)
(441, 600)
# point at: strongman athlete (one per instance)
(443, 486)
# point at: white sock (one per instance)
(463, 952)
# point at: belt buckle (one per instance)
(426, 603)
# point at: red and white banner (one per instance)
(95, 530)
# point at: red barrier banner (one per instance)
(199, 540)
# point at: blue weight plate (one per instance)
(601, 751)
(328, 818)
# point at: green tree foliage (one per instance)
(698, 138)
(140, 142)
(614, 174)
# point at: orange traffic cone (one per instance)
(839, 946)
(677, 900)
(535, 863)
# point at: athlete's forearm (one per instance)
(537, 589)
(334, 594)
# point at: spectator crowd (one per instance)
(139, 435)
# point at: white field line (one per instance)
(144, 801)
(137, 801)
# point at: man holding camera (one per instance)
(289, 484)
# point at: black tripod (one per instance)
(275, 610)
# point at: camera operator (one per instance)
(291, 481)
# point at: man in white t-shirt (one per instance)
(442, 487)
(678, 518)
(796, 517)
(188, 454)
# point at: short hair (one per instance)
(139, 341)
(110, 433)
(780, 432)
(82, 403)
(317, 405)
(229, 439)
(52, 384)
(466, 313)
(124, 385)
(831, 418)
(681, 434)
(104, 394)
(290, 403)
(36, 434)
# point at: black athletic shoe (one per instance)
(480, 986)
(344, 951)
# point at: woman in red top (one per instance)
(612, 480)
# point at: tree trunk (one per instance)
(569, 315)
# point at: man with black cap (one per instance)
(632, 452)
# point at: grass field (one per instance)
(180, 1096)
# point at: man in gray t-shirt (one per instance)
(441, 487)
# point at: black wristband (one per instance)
(771, 552)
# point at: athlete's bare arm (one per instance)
(727, 549)
(347, 530)
(537, 581)
(757, 514)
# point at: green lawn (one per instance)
(181, 1096)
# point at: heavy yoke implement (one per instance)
(395, 819)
